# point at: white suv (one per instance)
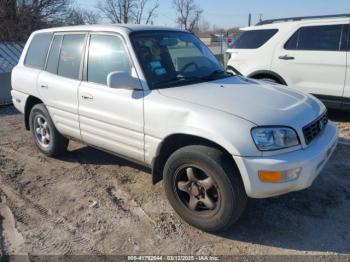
(159, 97)
(307, 53)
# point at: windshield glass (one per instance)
(171, 59)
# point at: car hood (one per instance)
(259, 102)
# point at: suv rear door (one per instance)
(58, 84)
(314, 60)
(346, 98)
(110, 118)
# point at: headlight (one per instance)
(274, 138)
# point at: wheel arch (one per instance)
(30, 103)
(267, 73)
(234, 70)
(174, 142)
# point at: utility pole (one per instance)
(249, 19)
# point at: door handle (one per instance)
(44, 86)
(287, 57)
(87, 97)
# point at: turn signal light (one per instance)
(279, 176)
(270, 176)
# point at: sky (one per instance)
(232, 13)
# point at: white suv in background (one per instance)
(307, 53)
(159, 97)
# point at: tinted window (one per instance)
(52, 60)
(253, 39)
(345, 38)
(36, 55)
(292, 42)
(316, 38)
(106, 54)
(70, 56)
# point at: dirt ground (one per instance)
(90, 202)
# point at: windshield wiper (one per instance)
(176, 80)
(215, 74)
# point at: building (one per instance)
(9, 55)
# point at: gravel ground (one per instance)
(89, 202)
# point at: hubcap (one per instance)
(196, 189)
(42, 131)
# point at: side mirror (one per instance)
(122, 80)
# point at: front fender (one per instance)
(165, 117)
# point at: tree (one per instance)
(189, 14)
(204, 26)
(139, 12)
(8, 18)
(19, 18)
(128, 11)
(79, 16)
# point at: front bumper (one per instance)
(311, 159)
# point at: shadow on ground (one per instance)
(8, 110)
(315, 219)
(90, 156)
(339, 115)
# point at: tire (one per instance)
(224, 198)
(46, 137)
(269, 80)
(231, 72)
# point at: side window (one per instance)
(37, 51)
(316, 38)
(253, 39)
(106, 54)
(292, 42)
(345, 43)
(52, 60)
(70, 56)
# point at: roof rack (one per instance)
(291, 19)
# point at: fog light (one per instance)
(279, 176)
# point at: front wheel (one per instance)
(45, 135)
(204, 188)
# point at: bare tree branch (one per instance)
(188, 14)
(21, 17)
(79, 16)
(128, 11)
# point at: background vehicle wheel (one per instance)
(270, 80)
(46, 137)
(204, 188)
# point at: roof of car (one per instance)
(111, 27)
(290, 23)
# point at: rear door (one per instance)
(58, 84)
(314, 61)
(346, 99)
(110, 118)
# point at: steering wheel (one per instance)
(183, 69)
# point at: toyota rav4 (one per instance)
(158, 96)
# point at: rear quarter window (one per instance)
(37, 51)
(253, 39)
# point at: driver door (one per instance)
(110, 118)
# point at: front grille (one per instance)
(312, 130)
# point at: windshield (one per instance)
(171, 59)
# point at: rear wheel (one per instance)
(204, 188)
(45, 135)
